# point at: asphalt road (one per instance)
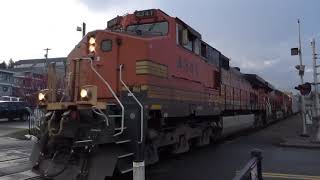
(7, 127)
(217, 161)
(221, 161)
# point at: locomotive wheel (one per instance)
(182, 146)
(217, 128)
(151, 154)
(205, 138)
(258, 121)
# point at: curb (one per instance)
(306, 145)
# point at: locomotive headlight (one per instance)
(92, 40)
(92, 44)
(84, 93)
(92, 48)
(41, 96)
(88, 95)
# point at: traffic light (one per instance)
(304, 89)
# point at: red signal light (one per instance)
(304, 89)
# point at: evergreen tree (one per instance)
(3, 65)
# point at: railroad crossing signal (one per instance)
(301, 69)
(295, 51)
(304, 89)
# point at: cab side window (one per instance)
(186, 39)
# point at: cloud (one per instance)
(271, 62)
(256, 35)
(309, 70)
(117, 6)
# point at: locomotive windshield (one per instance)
(158, 28)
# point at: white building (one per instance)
(6, 82)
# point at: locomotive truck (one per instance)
(146, 83)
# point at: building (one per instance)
(27, 85)
(30, 76)
(39, 66)
(6, 82)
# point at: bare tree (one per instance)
(11, 64)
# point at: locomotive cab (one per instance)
(85, 127)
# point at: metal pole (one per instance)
(257, 153)
(46, 56)
(139, 163)
(303, 110)
(316, 91)
(83, 29)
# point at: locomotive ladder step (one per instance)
(124, 141)
(115, 115)
(112, 104)
(125, 155)
(126, 171)
(83, 143)
(118, 129)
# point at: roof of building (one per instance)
(36, 61)
(39, 65)
(7, 71)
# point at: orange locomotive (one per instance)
(145, 83)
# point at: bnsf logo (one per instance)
(187, 67)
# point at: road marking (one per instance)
(289, 176)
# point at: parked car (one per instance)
(13, 110)
(10, 98)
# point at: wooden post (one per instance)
(52, 82)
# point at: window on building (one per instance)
(4, 89)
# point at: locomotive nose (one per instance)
(101, 47)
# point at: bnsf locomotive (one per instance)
(148, 82)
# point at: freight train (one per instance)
(148, 82)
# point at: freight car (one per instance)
(147, 82)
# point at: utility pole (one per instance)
(82, 29)
(316, 91)
(303, 110)
(46, 58)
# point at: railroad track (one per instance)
(25, 175)
(20, 155)
(14, 161)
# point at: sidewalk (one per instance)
(290, 134)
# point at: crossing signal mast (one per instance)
(316, 90)
(301, 67)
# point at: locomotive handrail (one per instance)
(135, 98)
(112, 92)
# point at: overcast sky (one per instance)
(257, 35)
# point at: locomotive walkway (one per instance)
(215, 162)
